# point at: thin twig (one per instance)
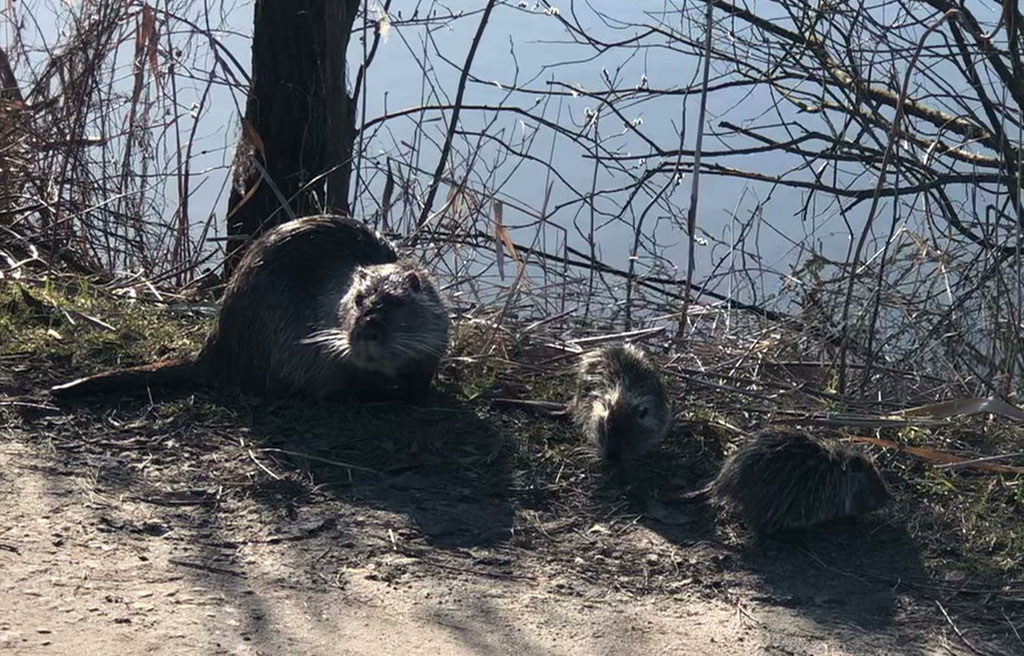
(691, 214)
(956, 630)
(442, 160)
(886, 155)
(974, 461)
(326, 461)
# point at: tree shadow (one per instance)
(437, 465)
(184, 524)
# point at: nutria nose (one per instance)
(369, 326)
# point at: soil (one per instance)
(196, 527)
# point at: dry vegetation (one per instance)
(104, 263)
(474, 484)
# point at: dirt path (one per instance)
(88, 572)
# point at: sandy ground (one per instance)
(86, 571)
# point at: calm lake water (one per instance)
(527, 47)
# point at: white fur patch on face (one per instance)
(612, 398)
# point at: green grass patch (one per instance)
(80, 328)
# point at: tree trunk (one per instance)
(301, 114)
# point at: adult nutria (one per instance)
(320, 306)
(779, 480)
(620, 403)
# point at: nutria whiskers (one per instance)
(319, 307)
(779, 480)
(620, 403)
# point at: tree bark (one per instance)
(302, 116)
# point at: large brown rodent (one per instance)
(319, 307)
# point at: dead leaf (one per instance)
(499, 254)
(152, 39)
(389, 190)
(932, 455)
(965, 407)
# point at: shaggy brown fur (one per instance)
(620, 403)
(779, 480)
(320, 307)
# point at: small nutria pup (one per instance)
(779, 480)
(319, 307)
(620, 403)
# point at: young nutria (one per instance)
(320, 307)
(780, 480)
(620, 403)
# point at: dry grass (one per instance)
(468, 484)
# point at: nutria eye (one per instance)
(642, 413)
(360, 299)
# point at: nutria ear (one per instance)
(413, 280)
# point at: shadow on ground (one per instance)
(401, 479)
(241, 489)
(842, 574)
(437, 464)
